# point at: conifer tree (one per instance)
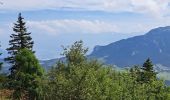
(19, 40)
(148, 71)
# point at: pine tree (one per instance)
(148, 71)
(21, 39)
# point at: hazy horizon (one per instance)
(97, 22)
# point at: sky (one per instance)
(54, 23)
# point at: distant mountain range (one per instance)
(132, 51)
(127, 52)
(47, 64)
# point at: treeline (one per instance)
(75, 78)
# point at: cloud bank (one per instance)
(65, 26)
(151, 7)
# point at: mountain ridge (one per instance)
(127, 52)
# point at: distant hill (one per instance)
(47, 64)
(127, 52)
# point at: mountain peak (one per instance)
(155, 45)
(159, 30)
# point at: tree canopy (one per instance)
(19, 40)
(28, 75)
(81, 79)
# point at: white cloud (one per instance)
(157, 8)
(72, 26)
(153, 7)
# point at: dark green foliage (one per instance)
(148, 73)
(144, 74)
(19, 40)
(28, 76)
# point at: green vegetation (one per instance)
(75, 77)
(20, 40)
(148, 72)
(80, 79)
(28, 76)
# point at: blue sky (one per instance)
(97, 22)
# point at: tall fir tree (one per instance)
(19, 40)
(148, 71)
